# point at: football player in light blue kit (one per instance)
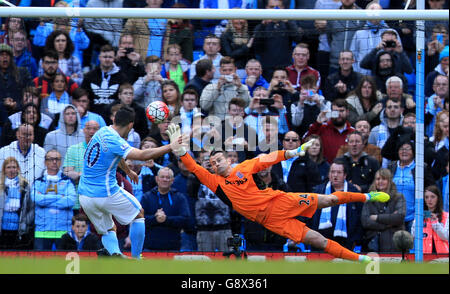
(101, 196)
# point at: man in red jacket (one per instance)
(333, 128)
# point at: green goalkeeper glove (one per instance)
(174, 133)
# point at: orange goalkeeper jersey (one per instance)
(239, 189)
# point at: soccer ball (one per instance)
(157, 112)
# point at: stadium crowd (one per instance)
(248, 87)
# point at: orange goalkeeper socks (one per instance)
(335, 249)
(346, 197)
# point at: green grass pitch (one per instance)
(59, 265)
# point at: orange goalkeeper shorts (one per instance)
(280, 215)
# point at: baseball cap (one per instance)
(6, 48)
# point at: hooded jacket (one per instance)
(61, 140)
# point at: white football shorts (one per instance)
(122, 205)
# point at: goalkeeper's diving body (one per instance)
(276, 210)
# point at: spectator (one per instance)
(73, 159)
(204, 75)
(29, 155)
(346, 79)
(315, 153)
(53, 195)
(363, 127)
(190, 114)
(176, 68)
(126, 94)
(341, 223)
(309, 105)
(181, 183)
(261, 106)
(391, 117)
(403, 172)
(435, 103)
(14, 79)
(435, 223)
(216, 96)
(16, 207)
(440, 69)
(58, 99)
(300, 67)
(442, 183)
(22, 56)
(281, 89)
(129, 60)
(79, 238)
(381, 220)
(181, 32)
(384, 69)
(394, 90)
(80, 100)
(77, 40)
(361, 167)
(367, 38)
(365, 102)
(171, 95)
(102, 83)
(237, 133)
(68, 133)
(436, 43)
(341, 34)
(299, 173)
(272, 139)
(323, 50)
(237, 43)
(333, 131)
(148, 34)
(30, 115)
(68, 63)
(439, 5)
(391, 43)
(96, 26)
(150, 168)
(166, 213)
(12, 25)
(273, 41)
(253, 76)
(148, 88)
(30, 95)
(440, 143)
(50, 68)
(213, 217)
(211, 47)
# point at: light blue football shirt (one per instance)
(102, 155)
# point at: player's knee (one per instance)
(315, 239)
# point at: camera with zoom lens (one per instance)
(280, 85)
(234, 242)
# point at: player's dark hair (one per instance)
(124, 116)
(214, 152)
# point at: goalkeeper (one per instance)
(276, 210)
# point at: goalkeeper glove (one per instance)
(174, 133)
(300, 151)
